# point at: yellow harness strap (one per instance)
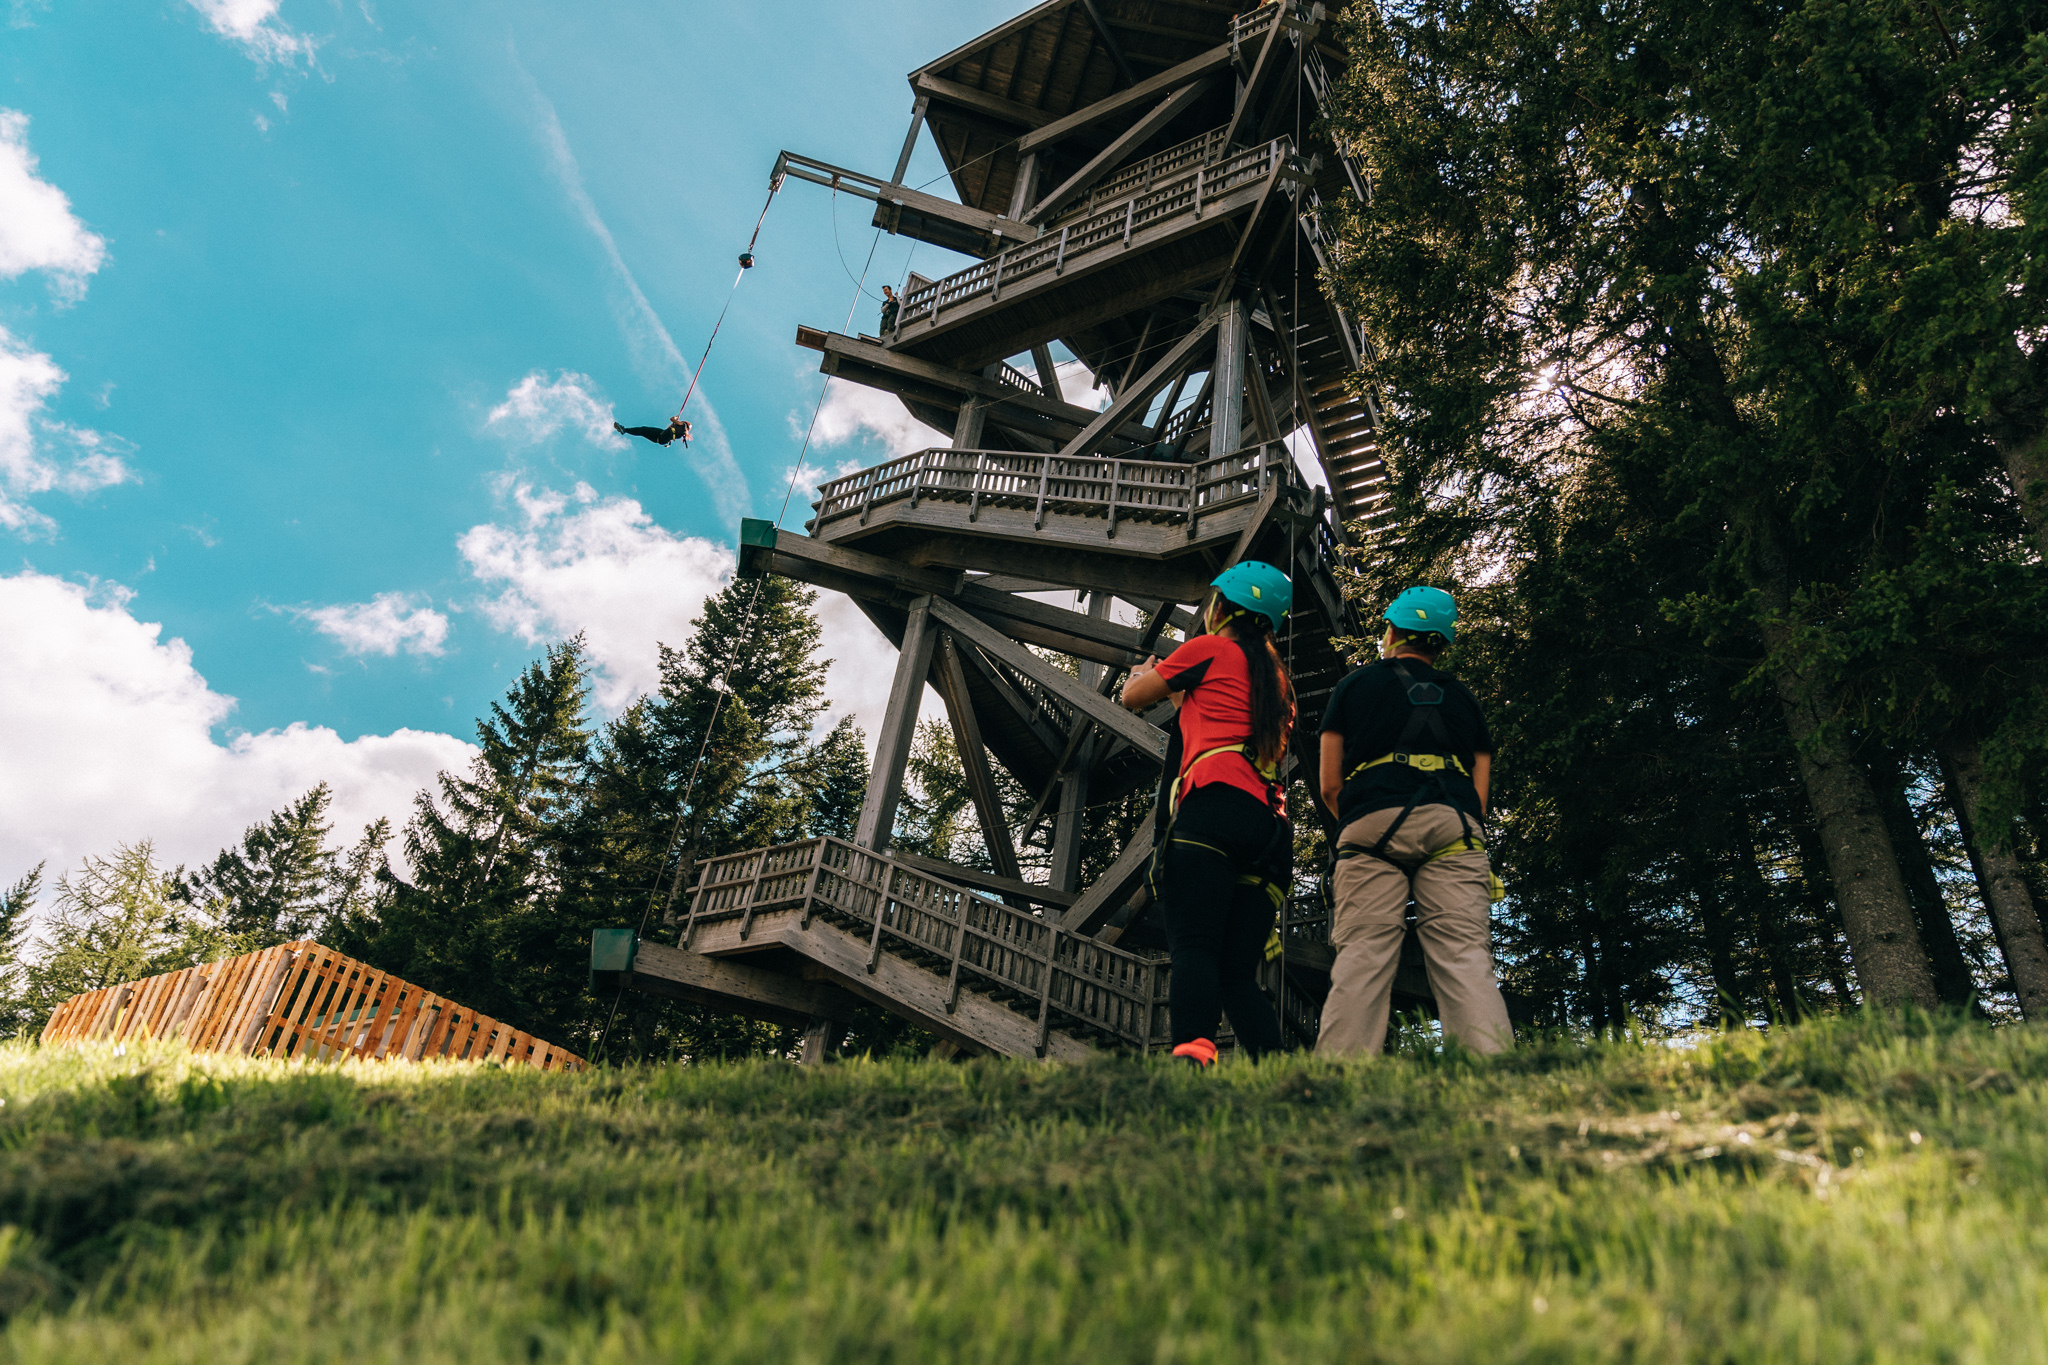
(1267, 773)
(1425, 763)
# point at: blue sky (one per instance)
(342, 296)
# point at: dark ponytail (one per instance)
(1272, 689)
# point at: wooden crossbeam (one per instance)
(1133, 399)
(1136, 97)
(1109, 42)
(978, 101)
(1147, 739)
(1108, 893)
(1264, 68)
(737, 986)
(1119, 150)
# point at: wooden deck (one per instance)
(1152, 243)
(1135, 507)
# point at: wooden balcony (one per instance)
(1088, 990)
(1148, 508)
(1172, 227)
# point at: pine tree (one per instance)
(477, 919)
(16, 904)
(115, 919)
(274, 888)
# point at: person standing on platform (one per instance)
(1405, 767)
(891, 305)
(1222, 866)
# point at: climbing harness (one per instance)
(1425, 722)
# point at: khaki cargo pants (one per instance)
(1453, 921)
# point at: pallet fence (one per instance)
(302, 1001)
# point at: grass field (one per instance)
(1854, 1189)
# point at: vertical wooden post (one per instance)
(1066, 824)
(899, 725)
(1226, 400)
(910, 138)
(981, 783)
(1025, 192)
(822, 1037)
(968, 426)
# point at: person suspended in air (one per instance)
(676, 430)
(1223, 859)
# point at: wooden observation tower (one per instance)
(1138, 181)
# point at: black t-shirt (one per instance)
(1370, 708)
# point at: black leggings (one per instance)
(1216, 927)
(659, 435)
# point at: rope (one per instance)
(746, 261)
(724, 684)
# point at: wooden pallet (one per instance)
(303, 1001)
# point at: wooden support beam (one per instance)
(1181, 580)
(762, 540)
(1109, 892)
(876, 366)
(1067, 822)
(1264, 68)
(739, 987)
(978, 101)
(1119, 150)
(1136, 97)
(1131, 402)
(1226, 410)
(981, 781)
(1147, 739)
(822, 1038)
(910, 138)
(1116, 49)
(1048, 373)
(1026, 186)
(898, 728)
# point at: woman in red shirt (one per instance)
(1228, 840)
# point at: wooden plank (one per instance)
(1123, 575)
(762, 536)
(981, 782)
(1136, 96)
(1109, 42)
(978, 101)
(995, 35)
(1226, 398)
(1119, 150)
(724, 983)
(1069, 689)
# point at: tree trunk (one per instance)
(1953, 981)
(1771, 926)
(2026, 465)
(1717, 928)
(1999, 876)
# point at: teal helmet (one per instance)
(1256, 587)
(1425, 609)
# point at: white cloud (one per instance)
(110, 740)
(31, 445)
(599, 566)
(384, 625)
(660, 363)
(603, 567)
(38, 231)
(537, 407)
(855, 412)
(248, 22)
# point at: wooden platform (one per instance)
(300, 1001)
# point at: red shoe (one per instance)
(1201, 1052)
